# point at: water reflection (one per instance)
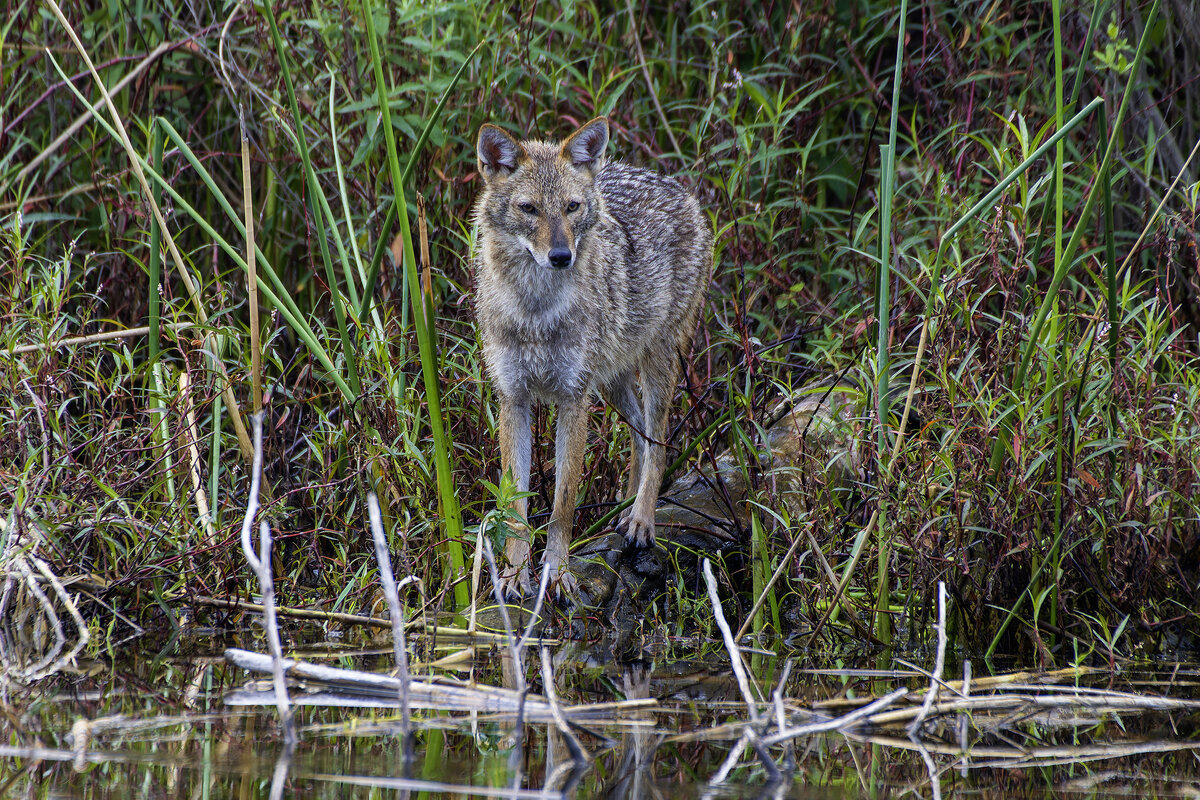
(159, 727)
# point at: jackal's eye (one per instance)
(572, 207)
(528, 208)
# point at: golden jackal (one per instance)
(589, 274)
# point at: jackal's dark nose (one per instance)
(560, 258)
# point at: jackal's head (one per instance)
(542, 195)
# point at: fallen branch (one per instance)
(371, 689)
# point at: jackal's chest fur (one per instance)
(542, 369)
(536, 334)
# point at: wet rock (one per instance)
(813, 439)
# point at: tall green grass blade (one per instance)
(287, 308)
(1110, 266)
(1053, 367)
(759, 567)
(884, 315)
(883, 304)
(318, 204)
(157, 399)
(155, 265)
(276, 292)
(281, 293)
(1098, 12)
(887, 185)
(447, 498)
(358, 273)
(390, 219)
(1068, 256)
(887, 181)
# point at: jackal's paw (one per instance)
(561, 583)
(637, 530)
(514, 584)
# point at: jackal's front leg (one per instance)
(516, 444)
(570, 442)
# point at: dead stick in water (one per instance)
(260, 563)
(935, 683)
(395, 609)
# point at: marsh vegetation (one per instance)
(976, 223)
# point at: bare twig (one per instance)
(536, 612)
(935, 684)
(416, 623)
(260, 563)
(735, 657)
(637, 42)
(1017, 705)
(192, 435)
(514, 644)
(780, 720)
(395, 608)
(731, 759)
(106, 336)
(295, 613)
(781, 717)
(962, 722)
(749, 733)
(935, 782)
(279, 774)
(375, 690)
(476, 571)
(842, 723)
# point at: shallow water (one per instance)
(161, 729)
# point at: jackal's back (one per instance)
(659, 252)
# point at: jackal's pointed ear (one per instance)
(585, 147)
(498, 153)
